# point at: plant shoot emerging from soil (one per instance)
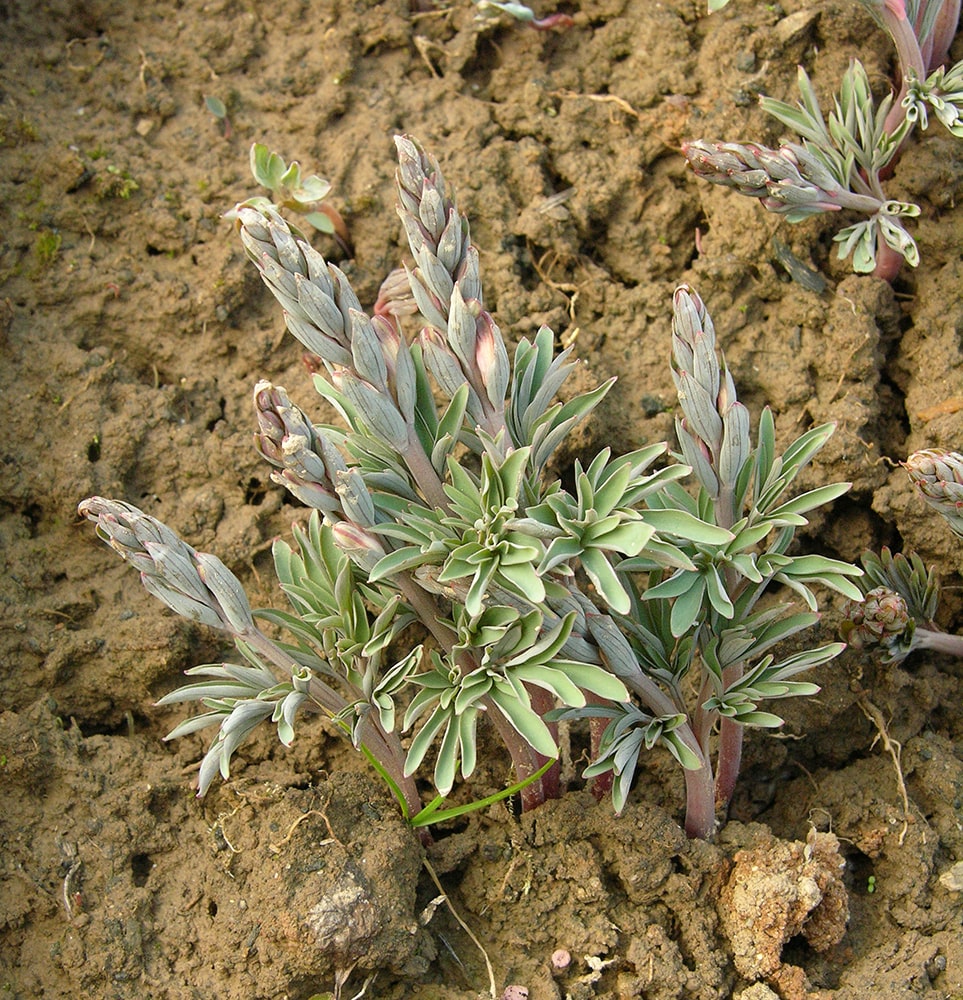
(304, 195)
(488, 9)
(626, 600)
(842, 163)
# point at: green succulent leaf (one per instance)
(684, 525)
(806, 502)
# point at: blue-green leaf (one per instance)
(525, 722)
(687, 609)
(687, 526)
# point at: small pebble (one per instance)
(561, 959)
(515, 993)
(952, 878)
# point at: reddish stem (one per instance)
(524, 758)
(700, 813)
(553, 21)
(944, 31)
(888, 260)
(729, 761)
(542, 703)
(601, 784)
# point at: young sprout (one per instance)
(218, 109)
(896, 615)
(291, 190)
(488, 9)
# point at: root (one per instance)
(894, 748)
(461, 923)
(276, 848)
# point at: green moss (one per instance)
(113, 182)
(45, 249)
(17, 131)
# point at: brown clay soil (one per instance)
(132, 330)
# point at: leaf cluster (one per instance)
(290, 189)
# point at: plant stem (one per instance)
(393, 761)
(700, 801)
(423, 604)
(731, 734)
(939, 642)
(601, 784)
(325, 696)
(700, 813)
(944, 31)
(910, 58)
(524, 758)
(700, 720)
(729, 759)
(542, 703)
(425, 477)
(888, 260)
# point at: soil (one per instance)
(132, 331)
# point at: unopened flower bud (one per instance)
(789, 180)
(881, 619)
(309, 493)
(394, 296)
(491, 359)
(359, 545)
(195, 584)
(938, 475)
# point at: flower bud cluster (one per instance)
(938, 476)
(789, 180)
(195, 584)
(881, 619)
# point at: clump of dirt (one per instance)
(132, 332)
(776, 892)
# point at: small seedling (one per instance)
(487, 9)
(896, 615)
(217, 108)
(304, 195)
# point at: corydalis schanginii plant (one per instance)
(700, 628)
(896, 616)
(840, 164)
(433, 504)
